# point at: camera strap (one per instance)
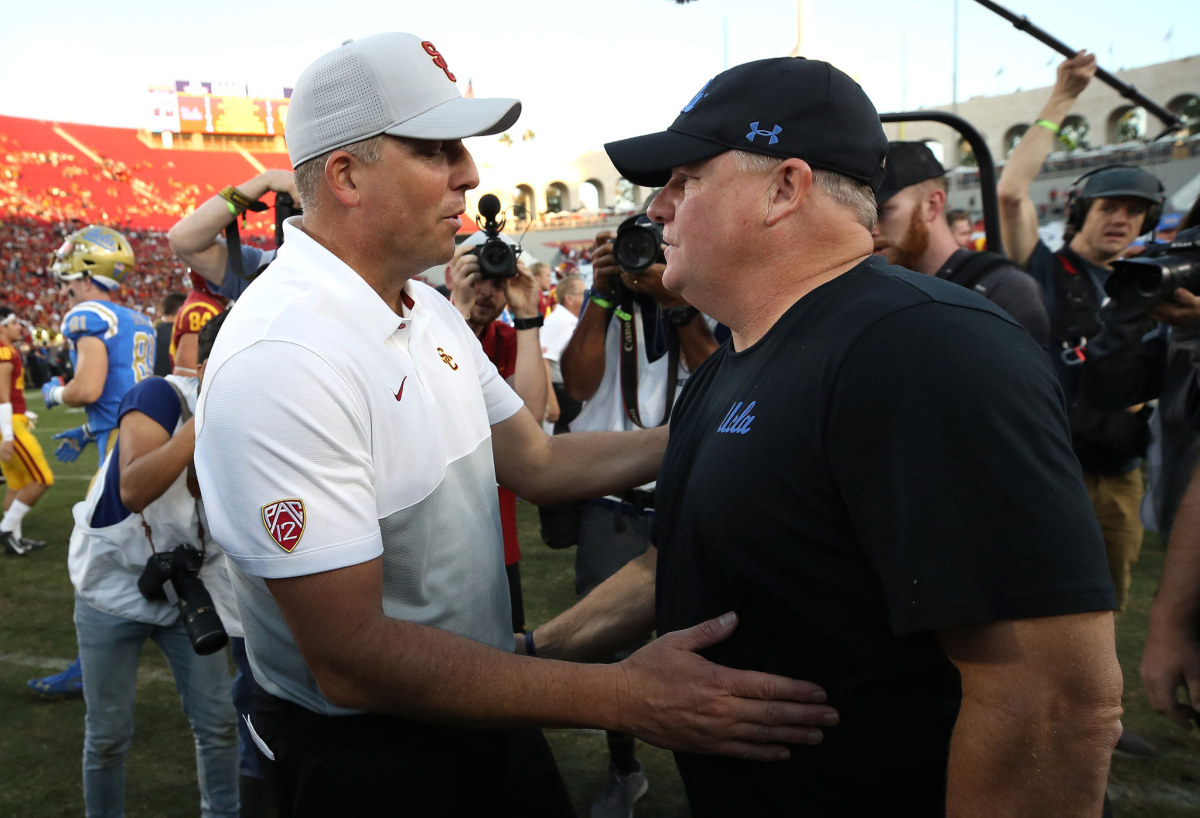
(1075, 318)
(185, 414)
(975, 267)
(628, 364)
(233, 243)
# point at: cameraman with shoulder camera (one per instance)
(197, 241)
(145, 567)
(1113, 207)
(516, 352)
(632, 351)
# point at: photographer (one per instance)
(144, 502)
(1114, 205)
(197, 241)
(625, 386)
(912, 232)
(517, 356)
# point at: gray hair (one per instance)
(573, 278)
(309, 174)
(849, 193)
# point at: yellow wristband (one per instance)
(1048, 125)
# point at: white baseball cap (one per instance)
(389, 83)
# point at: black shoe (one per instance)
(12, 545)
(1131, 745)
(33, 545)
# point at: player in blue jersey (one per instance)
(112, 348)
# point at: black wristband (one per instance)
(529, 648)
(681, 316)
(528, 323)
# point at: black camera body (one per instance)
(497, 258)
(285, 208)
(174, 576)
(638, 245)
(1141, 283)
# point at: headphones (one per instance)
(1077, 207)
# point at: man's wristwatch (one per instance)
(681, 316)
(528, 323)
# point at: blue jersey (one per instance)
(128, 337)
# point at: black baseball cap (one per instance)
(787, 107)
(908, 163)
(1121, 180)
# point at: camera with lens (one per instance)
(174, 577)
(638, 244)
(497, 258)
(1141, 283)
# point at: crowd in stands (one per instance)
(27, 247)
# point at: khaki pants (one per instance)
(1117, 500)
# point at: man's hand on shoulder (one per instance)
(680, 701)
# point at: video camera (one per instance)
(497, 258)
(1141, 283)
(174, 576)
(638, 244)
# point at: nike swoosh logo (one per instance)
(400, 394)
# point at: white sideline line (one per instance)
(48, 663)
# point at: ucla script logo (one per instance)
(737, 424)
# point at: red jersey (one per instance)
(547, 302)
(500, 345)
(198, 308)
(16, 385)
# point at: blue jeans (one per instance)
(109, 647)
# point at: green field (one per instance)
(41, 741)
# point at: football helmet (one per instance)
(96, 252)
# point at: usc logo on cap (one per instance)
(438, 59)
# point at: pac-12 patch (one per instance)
(284, 521)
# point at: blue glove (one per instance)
(74, 441)
(52, 392)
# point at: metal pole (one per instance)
(954, 72)
(725, 42)
(1123, 88)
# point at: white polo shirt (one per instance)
(331, 431)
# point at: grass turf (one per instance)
(41, 740)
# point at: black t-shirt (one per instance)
(1011, 289)
(891, 458)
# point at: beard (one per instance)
(908, 251)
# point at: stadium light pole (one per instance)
(954, 70)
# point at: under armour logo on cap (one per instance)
(699, 96)
(756, 131)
